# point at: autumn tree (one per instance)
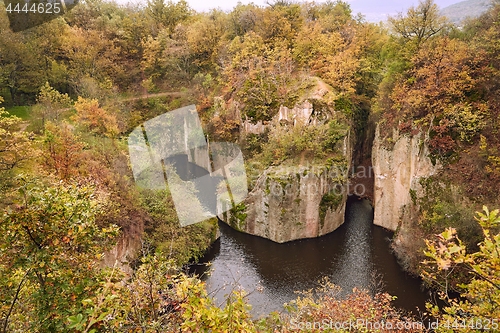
(93, 62)
(332, 47)
(419, 24)
(147, 300)
(204, 39)
(62, 150)
(479, 307)
(280, 21)
(261, 75)
(332, 15)
(168, 14)
(49, 254)
(435, 93)
(21, 69)
(242, 19)
(327, 306)
(96, 119)
(51, 104)
(485, 42)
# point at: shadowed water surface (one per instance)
(355, 255)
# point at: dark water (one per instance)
(355, 255)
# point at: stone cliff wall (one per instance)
(292, 203)
(397, 171)
(300, 114)
(123, 253)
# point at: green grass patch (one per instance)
(19, 111)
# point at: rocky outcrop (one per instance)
(250, 128)
(292, 203)
(296, 201)
(301, 114)
(398, 165)
(126, 250)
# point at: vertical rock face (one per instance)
(300, 114)
(397, 173)
(292, 203)
(126, 250)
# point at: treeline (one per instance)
(259, 55)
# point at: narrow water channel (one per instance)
(355, 255)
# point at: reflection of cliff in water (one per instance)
(355, 255)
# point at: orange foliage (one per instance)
(443, 74)
(95, 118)
(63, 150)
(358, 312)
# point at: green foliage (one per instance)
(168, 14)
(467, 120)
(261, 76)
(489, 154)
(241, 65)
(204, 38)
(22, 69)
(333, 15)
(51, 104)
(165, 234)
(238, 216)
(50, 249)
(303, 142)
(22, 112)
(147, 301)
(481, 293)
(443, 206)
(201, 314)
(345, 105)
(252, 144)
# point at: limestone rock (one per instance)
(292, 203)
(397, 173)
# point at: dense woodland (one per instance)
(73, 88)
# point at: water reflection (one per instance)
(355, 255)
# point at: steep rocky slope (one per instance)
(398, 167)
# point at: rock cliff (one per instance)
(299, 198)
(300, 114)
(398, 164)
(292, 203)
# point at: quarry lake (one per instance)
(355, 255)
